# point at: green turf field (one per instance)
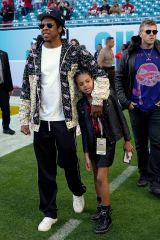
(135, 211)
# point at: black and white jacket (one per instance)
(72, 58)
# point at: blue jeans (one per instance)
(146, 130)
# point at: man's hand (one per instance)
(157, 104)
(132, 105)
(25, 129)
(96, 111)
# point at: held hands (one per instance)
(25, 129)
(87, 162)
(96, 111)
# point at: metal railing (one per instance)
(81, 22)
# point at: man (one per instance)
(106, 60)
(6, 89)
(94, 9)
(104, 10)
(99, 47)
(7, 13)
(128, 7)
(49, 101)
(138, 89)
(115, 8)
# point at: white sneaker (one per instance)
(46, 224)
(78, 203)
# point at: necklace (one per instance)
(148, 56)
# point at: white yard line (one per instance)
(122, 177)
(65, 230)
(72, 224)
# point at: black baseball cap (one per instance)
(54, 13)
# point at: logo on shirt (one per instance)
(147, 75)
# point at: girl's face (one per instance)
(85, 83)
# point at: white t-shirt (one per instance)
(51, 96)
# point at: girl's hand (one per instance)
(128, 147)
(87, 162)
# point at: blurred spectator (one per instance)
(119, 54)
(106, 60)
(65, 8)
(52, 3)
(37, 4)
(21, 7)
(75, 42)
(72, 3)
(27, 6)
(94, 10)
(115, 8)
(7, 13)
(104, 10)
(10, 2)
(33, 46)
(128, 7)
(99, 47)
(6, 90)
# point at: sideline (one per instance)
(10, 143)
(72, 224)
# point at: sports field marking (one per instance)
(121, 178)
(65, 230)
(69, 226)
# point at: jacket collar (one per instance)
(136, 42)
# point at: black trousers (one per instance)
(146, 130)
(53, 144)
(4, 105)
(111, 75)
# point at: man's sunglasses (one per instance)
(153, 31)
(42, 25)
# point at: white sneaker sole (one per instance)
(41, 229)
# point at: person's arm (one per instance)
(82, 124)
(120, 78)
(87, 161)
(25, 105)
(132, 9)
(121, 117)
(100, 58)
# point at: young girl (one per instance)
(99, 136)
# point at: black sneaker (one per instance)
(95, 217)
(154, 187)
(8, 131)
(142, 181)
(104, 222)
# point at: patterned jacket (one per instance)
(72, 58)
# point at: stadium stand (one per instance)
(143, 9)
